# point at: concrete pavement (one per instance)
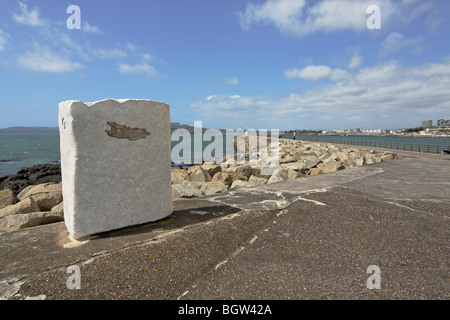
(309, 238)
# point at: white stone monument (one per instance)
(115, 163)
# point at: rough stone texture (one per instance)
(227, 177)
(198, 174)
(331, 166)
(213, 188)
(45, 195)
(28, 220)
(238, 184)
(58, 208)
(297, 166)
(312, 161)
(257, 180)
(34, 175)
(27, 205)
(185, 191)
(360, 162)
(279, 175)
(7, 198)
(179, 175)
(110, 182)
(387, 157)
(212, 169)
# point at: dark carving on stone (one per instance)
(123, 132)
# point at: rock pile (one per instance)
(297, 159)
(33, 206)
(38, 174)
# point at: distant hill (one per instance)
(30, 130)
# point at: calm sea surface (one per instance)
(24, 150)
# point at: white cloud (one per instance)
(298, 18)
(143, 67)
(115, 53)
(339, 75)
(45, 60)
(232, 81)
(318, 73)
(27, 17)
(283, 13)
(310, 73)
(396, 41)
(386, 93)
(356, 62)
(90, 29)
(3, 39)
(301, 18)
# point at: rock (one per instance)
(27, 205)
(185, 191)
(279, 175)
(245, 170)
(354, 154)
(59, 208)
(198, 174)
(349, 162)
(45, 195)
(179, 176)
(213, 188)
(238, 184)
(34, 175)
(116, 164)
(297, 166)
(257, 180)
(312, 161)
(212, 169)
(7, 198)
(227, 177)
(360, 162)
(370, 159)
(260, 170)
(328, 157)
(287, 158)
(330, 166)
(387, 157)
(292, 174)
(301, 155)
(314, 171)
(27, 220)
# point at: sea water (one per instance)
(19, 151)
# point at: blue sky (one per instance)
(274, 64)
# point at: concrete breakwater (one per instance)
(23, 207)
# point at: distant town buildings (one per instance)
(442, 128)
(441, 123)
(427, 123)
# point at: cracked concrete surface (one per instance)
(309, 238)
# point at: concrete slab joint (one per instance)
(115, 163)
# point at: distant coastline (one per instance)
(30, 130)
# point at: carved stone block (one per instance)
(115, 163)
